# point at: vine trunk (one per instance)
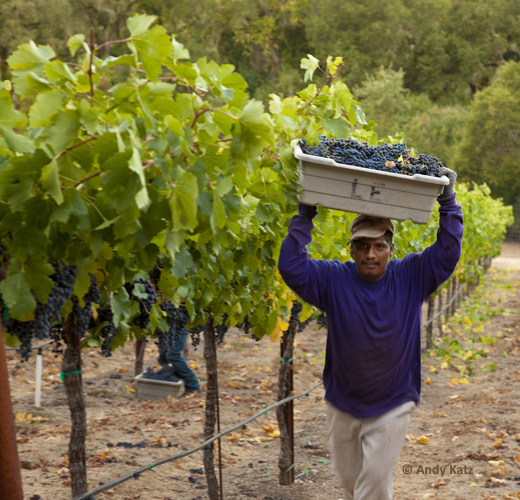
(72, 380)
(284, 414)
(210, 357)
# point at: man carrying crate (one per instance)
(372, 373)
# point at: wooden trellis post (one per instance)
(10, 478)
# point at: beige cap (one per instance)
(366, 226)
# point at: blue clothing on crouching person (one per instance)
(178, 364)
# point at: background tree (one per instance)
(24, 20)
(388, 102)
(491, 136)
(438, 130)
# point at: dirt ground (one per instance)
(463, 441)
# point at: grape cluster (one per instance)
(163, 374)
(322, 320)
(246, 326)
(83, 315)
(45, 315)
(166, 339)
(145, 304)
(195, 334)
(56, 336)
(108, 330)
(303, 324)
(222, 329)
(178, 317)
(296, 309)
(393, 158)
(24, 330)
(155, 273)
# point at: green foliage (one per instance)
(489, 149)
(437, 130)
(113, 176)
(386, 101)
(175, 164)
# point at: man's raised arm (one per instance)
(303, 275)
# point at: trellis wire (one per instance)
(135, 475)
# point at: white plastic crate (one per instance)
(365, 191)
(148, 388)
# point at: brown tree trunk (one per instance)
(10, 478)
(455, 285)
(439, 310)
(429, 328)
(285, 413)
(72, 380)
(210, 357)
(140, 347)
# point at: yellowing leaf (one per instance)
(129, 388)
(497, 443)
(422, 440)
(280, 327)
(428, 381)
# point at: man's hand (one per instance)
(452, 176)
(307, 210)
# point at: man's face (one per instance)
(371, 256)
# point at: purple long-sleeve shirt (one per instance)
(373, 353)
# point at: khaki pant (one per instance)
(365, 450)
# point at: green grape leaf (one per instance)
(151, 45)
(75, 42)
(183, 202)
(17, 296)
(275, 104)
(51, 182)
(178, 50)
(18, 143)
(310, 65)
(360, 115)
(338, 127)
(121, 306)
(37, 272)
(57, 71)
(30, 57)
(142, 199)
(9, 116)
(224, 187)
(124, 60)
(139, 24)
(63, 131)
(218, 214)
(46, 107)
(182, 263)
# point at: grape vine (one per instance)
(46, 315)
